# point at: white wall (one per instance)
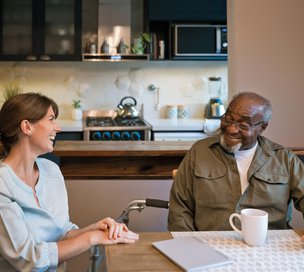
(101, 85)
(266, 44)
(92, 200)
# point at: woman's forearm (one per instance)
(74, 244)
(76, 232)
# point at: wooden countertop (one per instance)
(121, 148)
(120, 160)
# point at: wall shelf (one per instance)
(114, 57)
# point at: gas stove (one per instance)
(106, 126)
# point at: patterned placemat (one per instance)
(282, 251)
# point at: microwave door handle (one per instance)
(218, 40)
(175, 40)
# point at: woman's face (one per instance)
(44, 133)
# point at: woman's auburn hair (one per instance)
(26, 106)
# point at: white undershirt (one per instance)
(243, 160)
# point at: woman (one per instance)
(35, 231)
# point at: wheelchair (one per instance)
(97, 252)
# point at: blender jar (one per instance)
(215, 87)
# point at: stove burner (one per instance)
(100, 122)
(109, 122)
(130, 122)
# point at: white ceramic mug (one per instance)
(254, 224)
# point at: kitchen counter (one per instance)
(157, 124)
(191, 124)
(177, 124)
(122, 160)
(120, 148)
(70, 125)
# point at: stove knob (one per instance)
(116, 136)
(125, 136)
(135, 136)
(96, 136)
(106, 136)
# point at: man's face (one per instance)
(241, 125)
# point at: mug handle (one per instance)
(231, 222)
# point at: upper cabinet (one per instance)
(187, 10)
(40, 30)
(120, 32)
(187, 29)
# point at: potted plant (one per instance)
(76, 113)
(140, 44)
(10, 90)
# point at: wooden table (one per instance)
(142, 256)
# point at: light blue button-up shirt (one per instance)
(28, 233)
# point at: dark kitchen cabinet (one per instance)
(63, 136)
(162, 15)
(70, 136)
(40, 30)
(187, 10)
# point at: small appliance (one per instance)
(215, 108)
(199, 40)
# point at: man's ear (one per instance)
(263, 127)
(25, 127)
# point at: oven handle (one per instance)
(179, 136)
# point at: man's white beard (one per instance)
(230, 149)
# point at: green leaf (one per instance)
(76, 104)
(10, 90)
(146, 37)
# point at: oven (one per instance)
(107, 126)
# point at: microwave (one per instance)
(198, 40)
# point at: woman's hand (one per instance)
(101, 237)
(114, 229)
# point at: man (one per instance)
(234, 170)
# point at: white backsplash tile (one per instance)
(95, 84)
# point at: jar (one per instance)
(93, 48)
(215, 86)
(182, 111)
(171, 111)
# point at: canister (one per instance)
(182, 111)
(171, 111)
